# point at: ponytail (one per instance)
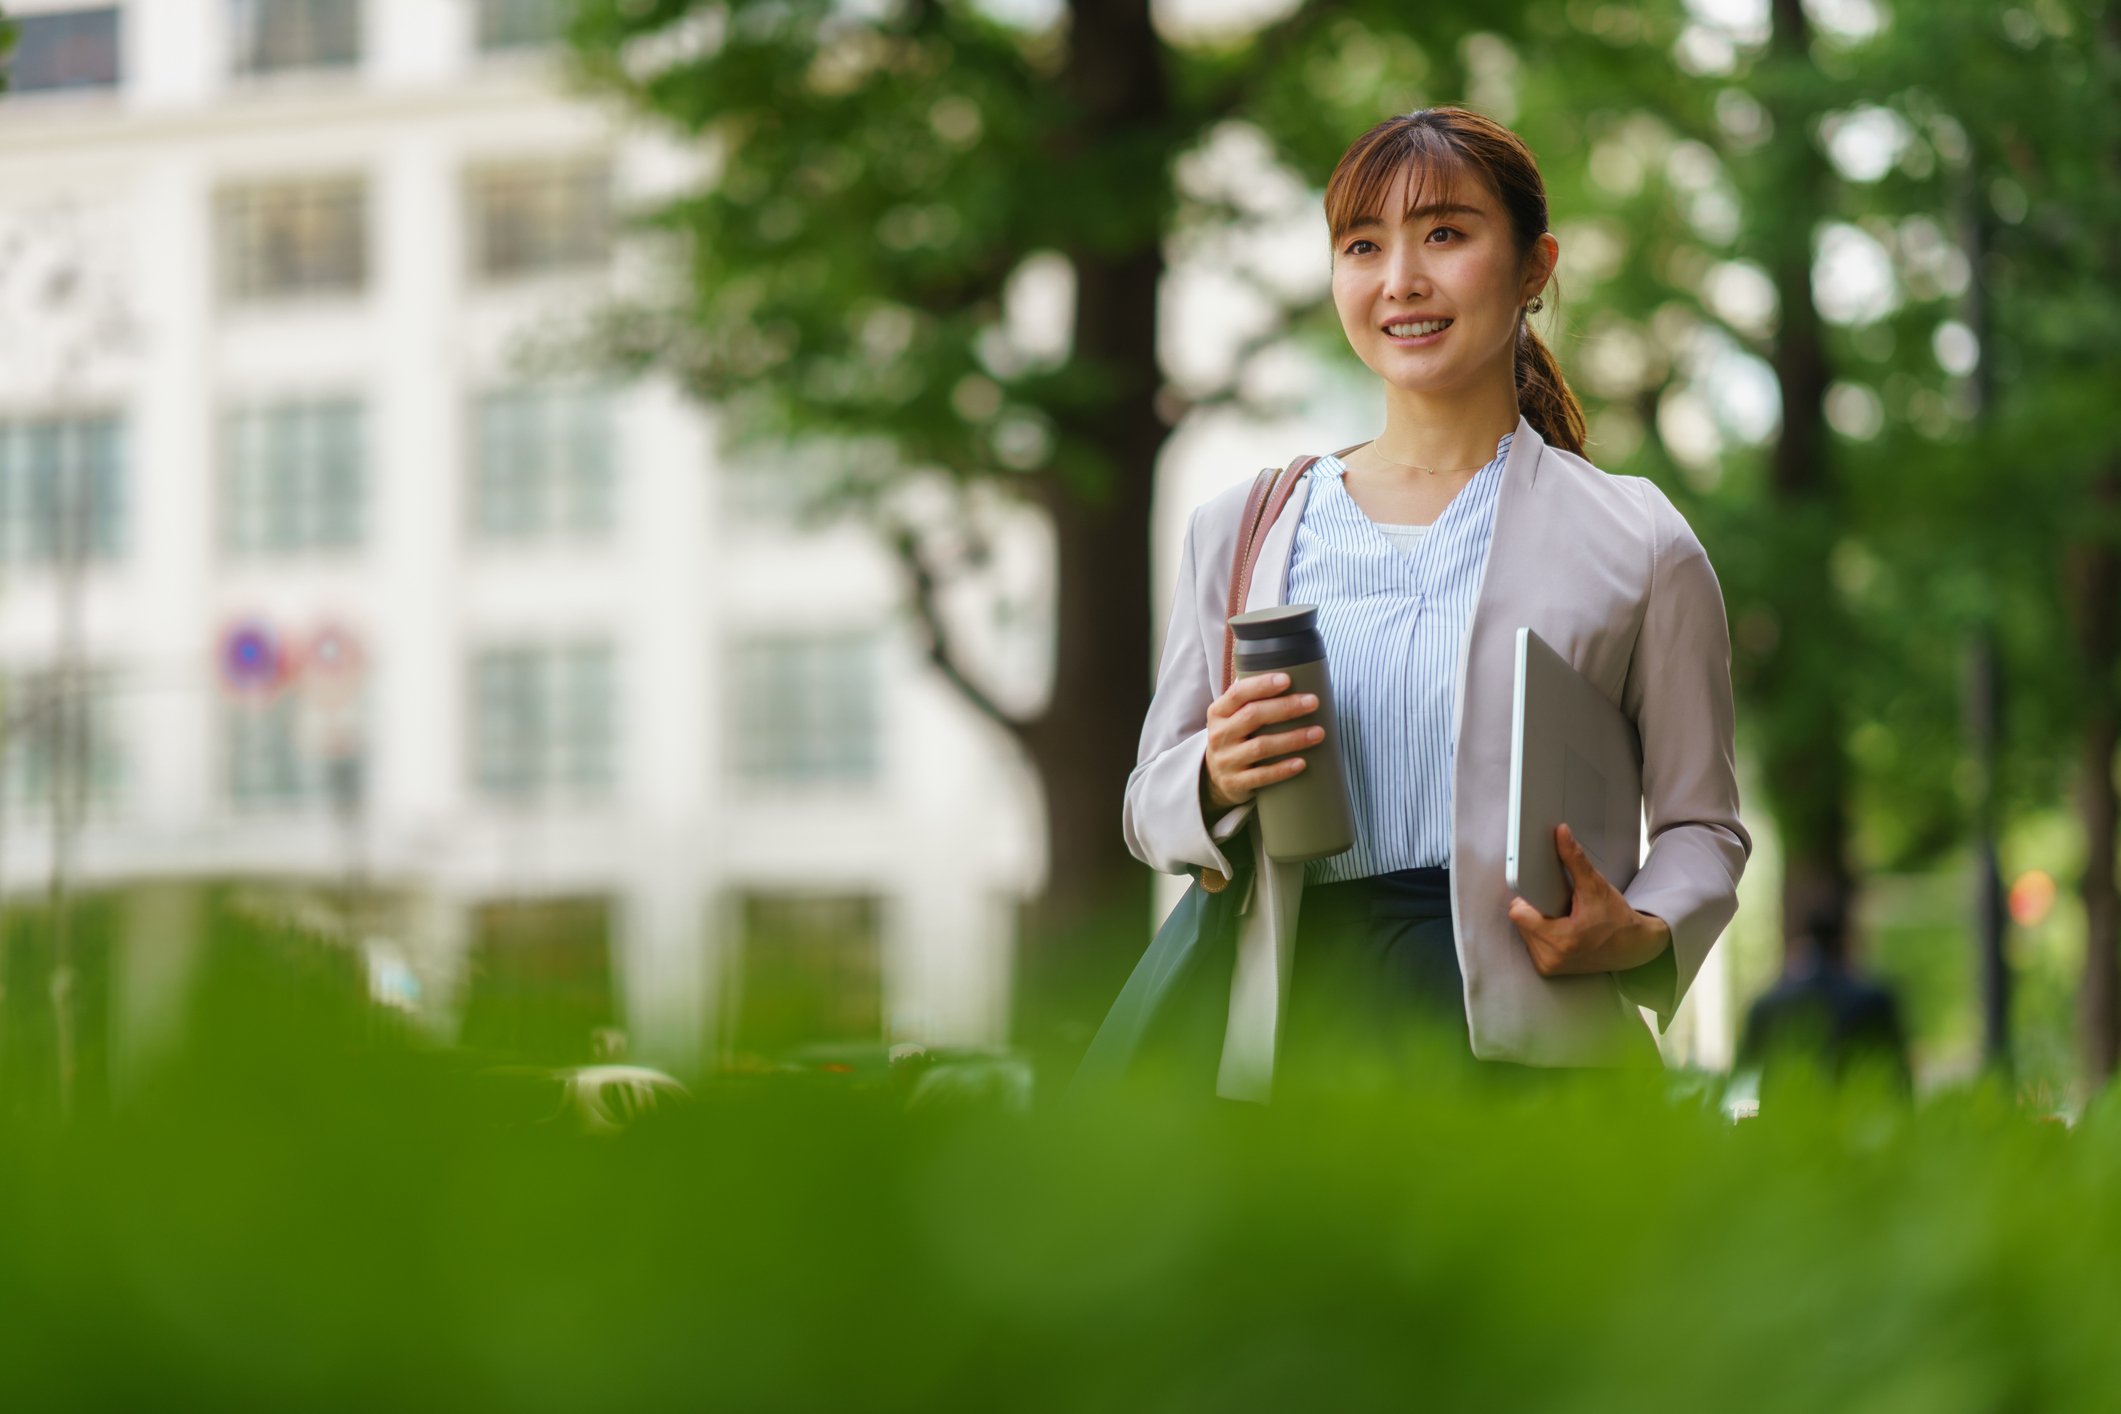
(1543, 395)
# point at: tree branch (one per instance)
(1270, 46)
(1762, 348)
(905, 541)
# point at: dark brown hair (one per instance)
(1440, 145)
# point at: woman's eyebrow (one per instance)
(1434, 208)
(1444, 208)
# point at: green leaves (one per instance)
(296, 1203)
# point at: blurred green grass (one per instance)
(304, 1206)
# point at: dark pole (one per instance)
(1984, 680)
(71, 508)
(1984, 699)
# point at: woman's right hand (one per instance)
(1232, 765)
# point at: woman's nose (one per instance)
(1405, 277)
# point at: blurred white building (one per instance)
(603, 723)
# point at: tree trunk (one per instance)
(1091, 922)
(1084, 746)
(1985, 699)
(2096, 591)
(1806, 762)
(1984, 714)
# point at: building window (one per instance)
(271, 35)
(62, 489)
(544, 464)
(543, 722)
(783, 492)
(282, 754)
(527, 218)
(267, 767)
(296, 475)
(46, 726)
(539, 984)
(292, 239)
(511, 24)
(66, 49)
(807, 969)
(807, 710)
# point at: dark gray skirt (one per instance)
(1375, 992)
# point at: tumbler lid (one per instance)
(1275, 621)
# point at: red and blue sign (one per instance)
(251, 658)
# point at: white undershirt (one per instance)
(1406, 537)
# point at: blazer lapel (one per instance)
(1479, 807)
(1513, 500)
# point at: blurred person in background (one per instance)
(1823, 1015)
(1472, 513)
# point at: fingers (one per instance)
(1254, 715)
(1549, 954)
(1233, 718)
(1247, 689)
(1259, 748)
(1582, 872)
(1532, 925)
(1259, 776)
(1239, 785)
(1258, 699)
(1240, 762)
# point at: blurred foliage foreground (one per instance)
(299, 1206)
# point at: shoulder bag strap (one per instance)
(1270, 494)
(1271, 490)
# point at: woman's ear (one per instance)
(1545, 255)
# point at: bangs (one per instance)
(1358, 186)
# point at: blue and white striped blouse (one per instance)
(1393, 609)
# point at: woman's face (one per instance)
(1455, 263)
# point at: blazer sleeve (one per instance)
(1162, 818)
(1678, 694)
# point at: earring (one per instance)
(1538, 303)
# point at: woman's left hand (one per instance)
(1601, 932)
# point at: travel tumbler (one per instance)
(1307, 815)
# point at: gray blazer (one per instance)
(1605, 569)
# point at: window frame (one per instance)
(251, 65)
(25, 25)
(107, 542)
(744, 899)
(486, 175)
(228, 471)
(557, 739)
(566, 504)
(109, 749)
(313, 788)
(238, 288)
(484, 25)
(752, 721)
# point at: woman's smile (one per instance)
(1417, 334)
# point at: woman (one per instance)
(1471, 513)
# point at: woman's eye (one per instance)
(1452, 229)
(1352, 244)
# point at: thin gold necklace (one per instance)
(1433, 471)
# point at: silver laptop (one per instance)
(1574, 756)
